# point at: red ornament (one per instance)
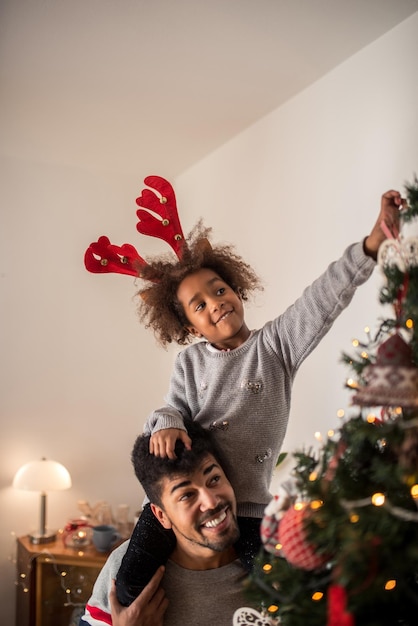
(337, 607)
(295, 546)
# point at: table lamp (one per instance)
(44, 475)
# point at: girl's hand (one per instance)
(163, 442)
(391, 203)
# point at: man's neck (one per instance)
(212, 560)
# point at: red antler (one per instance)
(168, 226)
(102, 257)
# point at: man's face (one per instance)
(200, 508)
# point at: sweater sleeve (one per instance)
(302, 326)
(97, 612)
(172, 415)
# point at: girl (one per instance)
(236, 382)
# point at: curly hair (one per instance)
(159, 307)
(151, 470)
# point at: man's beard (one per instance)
(223, 540)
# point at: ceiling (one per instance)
(155, 85)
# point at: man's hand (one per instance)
(163, 442)
(388, 218)
(147, 610)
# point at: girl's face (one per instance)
(213, 309)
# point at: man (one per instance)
(202, 582)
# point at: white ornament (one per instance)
(390, 254)
(250, 617)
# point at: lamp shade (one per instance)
(43, 475)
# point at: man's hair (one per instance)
(151, 469)
(159, 307)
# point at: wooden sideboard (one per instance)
(54, 582)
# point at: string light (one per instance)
(355, 343)
(353, 384)
(318, 595)
(409, 323)
(390, 584)
(316, 504)
(354, 518)
(414, 491)
(331, 433)
(267, 568)
(72, 593)
(340, 413)
(378, 499)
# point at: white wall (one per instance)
(78, 372)
(300, 185)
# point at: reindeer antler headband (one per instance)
(103, 257)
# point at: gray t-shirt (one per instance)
(204, 598)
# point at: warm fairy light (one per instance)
(364, 355)
(68, 591)
(355, 343)
(278, 546)
(409, 323)
(340, 413)
(378, 499)
(318, 595)
(313, 476)
(371, 418)
(390, 584)
(331, 433)
(63, 574)
(318, 436)
(353, 384)
(398, 410)
(414, 491)
(354, 518)
(316, 504)
(267, 568)
(273, 608)
(366, 330)
(298, 506)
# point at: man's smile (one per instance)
(213, 523)
(218, 520)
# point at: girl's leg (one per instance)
(149, 547)
(249, 543)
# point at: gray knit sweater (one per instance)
(203, 597)
(244, 395)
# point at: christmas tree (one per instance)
(341, 537)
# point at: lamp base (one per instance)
(46, 537)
